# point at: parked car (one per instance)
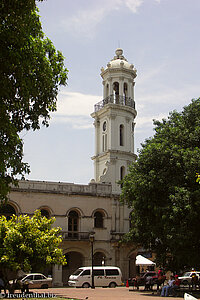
(187, 277)
(36, 281)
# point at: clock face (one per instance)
(104, 126)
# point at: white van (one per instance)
(103, 276)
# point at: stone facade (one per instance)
(76, 209)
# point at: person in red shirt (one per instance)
(176, 285)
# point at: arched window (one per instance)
(7, 211)
(45, 213)
(121, 135)
(122, 174)
(73, 224)
(98, 219)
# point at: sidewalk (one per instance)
(120, 293)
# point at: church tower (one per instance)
(114, 122)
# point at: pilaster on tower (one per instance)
(114, 122)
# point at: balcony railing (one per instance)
(116, 236)
(115, 99)
(75, 235)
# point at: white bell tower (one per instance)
(114, 122)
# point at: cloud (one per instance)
(74, 103)
(158, 104)
(147, 121)
(153, 88)
(75, 109)
(76, 122)
(175, 97)
(85, 21)
(133, 5)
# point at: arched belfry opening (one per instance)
(114, 147)
(116, 92)
(125, 91)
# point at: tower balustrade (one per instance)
(115, 99)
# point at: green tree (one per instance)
(31, 71)
(161, 190)
(28, 243)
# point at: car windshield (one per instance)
(187, 274)
(29, 277)
(77, 272)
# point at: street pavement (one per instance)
(100, 293)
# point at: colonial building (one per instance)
(82, 210)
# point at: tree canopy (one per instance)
(31, 71)
(29, 243)
(162, 191)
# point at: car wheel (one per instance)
(86, 285)
(185, 282)
(112, 285)
(44, 286)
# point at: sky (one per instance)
(160, 37)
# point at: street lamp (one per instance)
(103, 261)
(92, 254)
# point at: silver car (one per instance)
(36, 281)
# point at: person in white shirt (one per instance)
(166, 288)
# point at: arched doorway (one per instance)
(74, 261)
(99, 259)
(133, 270)
(45, 213)
(7, 210)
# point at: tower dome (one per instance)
(119, 61)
